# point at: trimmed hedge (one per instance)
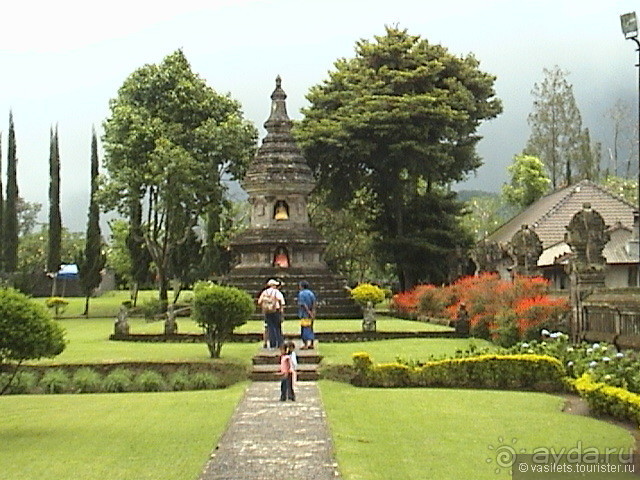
(518, 372)
(604, 399)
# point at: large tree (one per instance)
(557, 136)
(528, 183)
(168, 142)
(401, 119)
(92, 260)
(55, 219)
(10, 218)
(1, 211)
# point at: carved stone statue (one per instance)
(369, 320)
(487, 256)
(525, 248)
(587, 235)
(170, 324)
(121, 326)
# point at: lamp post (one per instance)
(629, 24)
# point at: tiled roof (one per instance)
(616, 250)
(551, 214)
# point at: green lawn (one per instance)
(407, 434)
(158, 436)
(89, 343)
(384, 324)
(407, 349)
(106, 305)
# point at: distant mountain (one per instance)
(466, 195)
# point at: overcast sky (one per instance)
(61, 62)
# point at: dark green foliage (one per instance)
(400, 119)
(55, 219)
(149, 381)
(86, 380)
(27, 331)
(218, 310)
(10, 217)
(1, 212)
(204, 381)
(22, 382)
(92, 260)
(118, 380)
(168, 142)
(55, 381)
(179, 380)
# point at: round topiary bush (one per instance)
(366, 292)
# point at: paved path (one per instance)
(268, 439)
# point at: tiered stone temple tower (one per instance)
(280, 243)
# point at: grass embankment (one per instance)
(448, 434)
(112, 436)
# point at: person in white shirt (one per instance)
(271, 301)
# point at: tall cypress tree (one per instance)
(92, 260)
(1, 211)
(10, 230)
(55, 220)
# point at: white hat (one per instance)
(273, 283)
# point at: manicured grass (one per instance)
(159, 436)
(384, 324)
(407, 349)
(89, 343)
(105, 305)
(405, 434)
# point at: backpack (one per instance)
(270, 304)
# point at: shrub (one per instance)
(204, 381)
(57, 304)
(86, 380)
(607, 400)
(179, 380)
(151, 308)
(219, 310)
(431, 302)
(24, 382)
(55, 381)
(149, 381)
(538, 372)
(366, 292)
(118, 380)
(27, 331)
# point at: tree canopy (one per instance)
(529, 181)
(400, 118)
(168, 142)
(557, 135)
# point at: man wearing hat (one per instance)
(271, 301)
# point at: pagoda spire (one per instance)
(278, 121)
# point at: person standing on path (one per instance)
(271, 301)
(306, 314)
(288, 372)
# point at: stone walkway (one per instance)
(268, 439)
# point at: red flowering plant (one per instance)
(536, 313)
(497, 308)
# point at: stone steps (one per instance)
(266, 364)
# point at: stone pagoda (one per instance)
(280, 243)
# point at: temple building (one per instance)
(280, 242)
